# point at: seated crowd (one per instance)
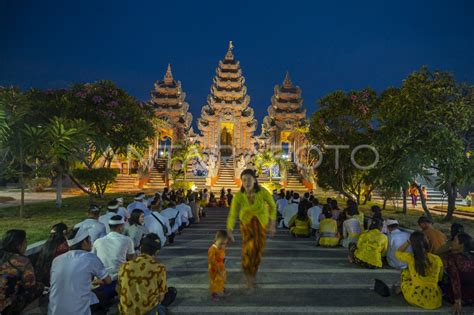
(432, 266)
(104, 260)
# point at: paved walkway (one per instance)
(31, 197)
(295, 277)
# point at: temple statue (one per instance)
(171, 109)
(227, 122)
(285, 114)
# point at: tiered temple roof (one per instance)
(228, 102)
(286, 111)
(168, 100)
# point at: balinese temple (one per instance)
(285, 115)
(168, 100)
(227, 121)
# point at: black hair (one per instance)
(48, 252)
(420, 246)
(327, 211)
(115, 218)
(424, 219)
(248, 171)
(77, 246)
(334, 204)
(135, 217)
(221, 234)
(150, 244)
(306, 195)
(376, 224)
(316, 201)
(112, 203)
(303, 210)
(328, 200)
(456, 228)
(465, 240)
(12, 240)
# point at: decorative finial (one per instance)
(168, 75)
(230, 55)
(287, 82)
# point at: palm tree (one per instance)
(269, 159)
(183, 154)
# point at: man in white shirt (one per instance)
(139, 203)
(290, 210)
(96, 229)
(122, 210)
(156, 223)
(112, 208)
(185, 211)
(71, 277)
(396, 238)
(281, 204)
(115, 248)
(313, 213)
(174, 217)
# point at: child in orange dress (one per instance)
(216, 267)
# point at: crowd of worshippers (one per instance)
(433, 266)
(107, 258)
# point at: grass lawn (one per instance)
(41, 216)
(461, 208)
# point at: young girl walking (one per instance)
(216, 267)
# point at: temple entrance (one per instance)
(227, 139)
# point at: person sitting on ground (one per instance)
(18, 285)
(223, 199)
(460, 268)
(280, 205)
(53, 247)
(351, 228)
(229, 197)
(300, 224)
(216, 266)
(314, 214)
(351, 204)
(194, 204)
(136, 229)
(185, 211)
(396, 238)
(174, 217)
(419, 282)
(134, 296)
(444, 250)
(212, 201)
(115, 248)
(159, 225)
(122, 210)
(370, 248)
(112, 208)
(336, 212)
(435, 238)
(291, 209)
(328, 232)
(139, 202)
(96, 229)
(377, 215)
(71, 278)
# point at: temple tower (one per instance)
(168, 100)
(227, 121)
(285, 114)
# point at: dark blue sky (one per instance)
(325, 45)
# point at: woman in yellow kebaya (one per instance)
(328, 232)
(257, 212)
(216, 265)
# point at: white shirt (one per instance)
(154, 226)
(396, 238)
(96, 228)
(172, 213)
(138, 205)
(104, 219)
(313, 213)
(186, 212)
(112, 250)
(71, 282)
(350, 226)
(288, 212)
(124, 213)
(281, 204)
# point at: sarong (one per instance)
(253, 242)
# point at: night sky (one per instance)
(324, 45)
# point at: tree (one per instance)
(183, 154)
(270, 159)
(345, 119)
(97, 179)
(425, 124)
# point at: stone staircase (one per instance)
(295, 184)
(125, 182)
(435, 197)
(199, 181)
(157, 176)
(226, 176)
